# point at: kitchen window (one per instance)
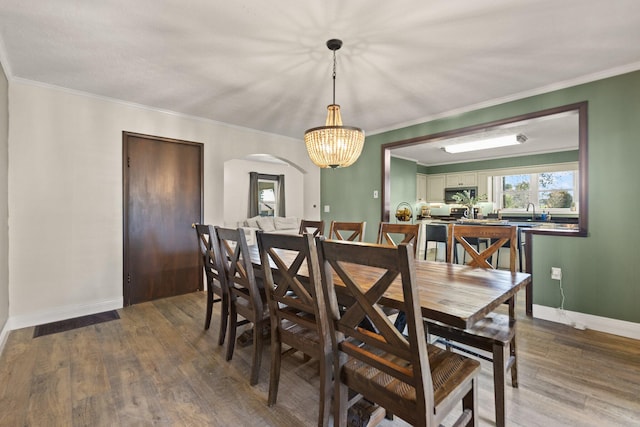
(551, 190)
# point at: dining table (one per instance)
(454, 294)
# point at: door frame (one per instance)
(126, 297)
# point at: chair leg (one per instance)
(340, 403)
(470, 403)
(233, 324)
(499, 383)
(326, 392)
(257, 352)
(224, 319)
(276, 359)
(514, 364)
(207, 319)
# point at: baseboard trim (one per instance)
(4, 334)
(63, 313)
(588, 321)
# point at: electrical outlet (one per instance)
(327, 208)
(375, 194)
(556, 273)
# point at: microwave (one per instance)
(450, 192)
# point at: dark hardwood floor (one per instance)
(157, 366)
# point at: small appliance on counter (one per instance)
(422, 210)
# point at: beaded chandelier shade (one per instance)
(334, 145)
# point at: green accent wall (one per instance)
(598, 271)
(403, 184)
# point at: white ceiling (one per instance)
(264, 64)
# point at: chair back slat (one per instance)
(315, 228)
(496, 236)
(350, 231)
(389, 234)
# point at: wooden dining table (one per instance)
(457, 295)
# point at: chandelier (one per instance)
(334, 145)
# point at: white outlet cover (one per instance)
(326, 208)
(556, 273)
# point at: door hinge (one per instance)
(128, 277)
(128, 161)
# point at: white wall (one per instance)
(4, 207)
(65, 193)
(236, 188)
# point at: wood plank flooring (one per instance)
(157, 366)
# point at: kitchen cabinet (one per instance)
(435, 188)
(484, 185)
(463, 179)
(436, 183)
(421, 187)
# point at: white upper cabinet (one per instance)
(435, 188)
(421, 186)
(463, 179)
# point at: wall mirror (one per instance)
(559, 129)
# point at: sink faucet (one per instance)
(533, 214)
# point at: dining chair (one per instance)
(495, 238)
(340, 230)
(215, 276)
(405, 233)
(245, 297)
(495, 332)
(316, 228)
(416, 381)
(402, 233)
(296, 309)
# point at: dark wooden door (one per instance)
(162, 199)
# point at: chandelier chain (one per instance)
(334, 77)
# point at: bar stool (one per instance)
(435, 233)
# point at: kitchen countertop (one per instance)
(539, 227)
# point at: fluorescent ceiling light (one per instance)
(483, 144)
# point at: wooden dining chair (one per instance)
(297, 311)
(215, 276)
(393, 234)
(496, 332)
(416, 381)
(245, 297)
(339, 230)
(495, 238)
(316, 228)
(403, 233)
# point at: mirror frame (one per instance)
(580, 107)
